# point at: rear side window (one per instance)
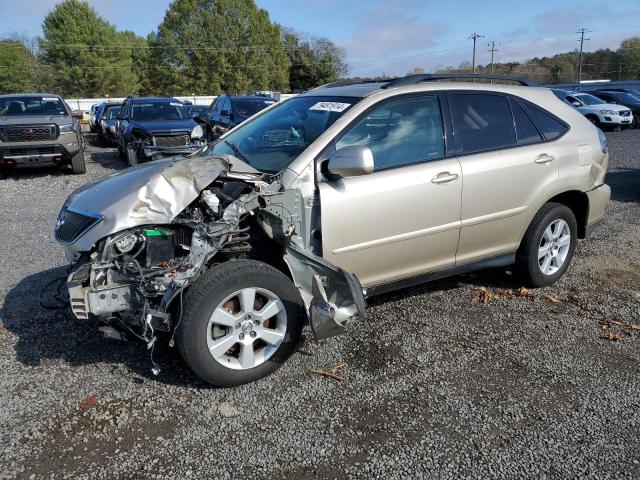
(482, 122)
(526, 131)
(549, 125)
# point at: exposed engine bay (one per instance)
(176, 221)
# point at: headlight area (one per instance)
(127, 276)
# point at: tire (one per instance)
(594, 120)
(121, 153)
(78, 164)
(132, 156)
(528, 262)
(216, 291)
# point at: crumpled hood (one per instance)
(160, 126)
(149, 194)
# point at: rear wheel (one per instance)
(78, 164)
(241, 321)
(594, 119)
(548, 245)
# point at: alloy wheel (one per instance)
(246, 328)
(554, 247)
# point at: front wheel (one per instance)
(78, 164)
(548, 245)
(241, 321)
(132, 156)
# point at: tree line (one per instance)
(201, 47)
(622, 63)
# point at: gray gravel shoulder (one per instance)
(438, 386)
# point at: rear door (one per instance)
(507, 165)
(404, 218)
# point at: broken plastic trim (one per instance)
(334, 297)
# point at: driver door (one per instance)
(403, 219)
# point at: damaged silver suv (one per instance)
(315, 203)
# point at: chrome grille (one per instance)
(28, 133)
(179, 140)
(71, 225)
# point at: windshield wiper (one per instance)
(237, 151)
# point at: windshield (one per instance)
(271, 141)
(589, 99)
(626, 98)
(198, 109)
(18, 106)
(159, 111)
(249, 107)
(111, 112)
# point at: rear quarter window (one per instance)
(550, 126)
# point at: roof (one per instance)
(356, 90)
(248, 97)
(31, 95)
(154, 99)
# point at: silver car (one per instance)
(320, 201)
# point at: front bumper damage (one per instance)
(181, 218)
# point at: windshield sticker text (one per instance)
(330, 106)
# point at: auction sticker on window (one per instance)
(330, 106)
(49, 99)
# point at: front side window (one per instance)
(249, 107)
(146, 111)
(401, 132)
(589, 99)
(22, 105)
(482, 122)
(272, 140)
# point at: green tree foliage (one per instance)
(85, 53)
(218, 46)
(314, 61)
(16, 67)
(629, 59)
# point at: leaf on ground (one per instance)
(481, 295)
(90, 402)
(524, 293)
(502, 292)
(613, 337)
(551, 298)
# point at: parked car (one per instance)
(622, 98)
(338, 194)
(600, 113)
(92, 118)
(107, 131)
(227, 111)
(196, 110)
(38, 129)
(149, 128)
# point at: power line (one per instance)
(475, 36)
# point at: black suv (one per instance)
(153, 127)
(626, 99)
(228, 111)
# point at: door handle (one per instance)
(444, 177)
(543, 159)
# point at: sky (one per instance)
(393, 37)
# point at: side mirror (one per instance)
(121, 116)
(351, 161)
(576, 104)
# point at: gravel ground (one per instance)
(438, 385)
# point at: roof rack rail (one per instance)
(431, 77)
(354, 81)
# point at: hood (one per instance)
(151, 193)
(35, 119)
(161, 126)
(609, 106)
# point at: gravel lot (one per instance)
(439, 385)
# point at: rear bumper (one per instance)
(598, 201)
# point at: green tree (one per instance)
(629, 58)
(16, 67)
(86, 55)
(216, 46)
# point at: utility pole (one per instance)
(581, 32)
(493, 49)
(475, 36)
